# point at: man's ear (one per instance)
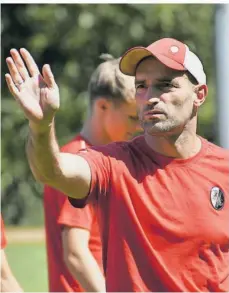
(201, 93)
(102, 104)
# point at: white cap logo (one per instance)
(174, 49)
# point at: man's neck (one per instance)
(94, 133)
(181, 146)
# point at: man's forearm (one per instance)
(86, 271)
(8, 281)
(10, 284)
(43, 152)
(63, 171)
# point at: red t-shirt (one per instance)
(164, 221)
(59, 213)
(3, 235)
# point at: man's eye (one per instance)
(140, 86)
(167, 84)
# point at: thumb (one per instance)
(48, 76)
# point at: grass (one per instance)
(28, 263)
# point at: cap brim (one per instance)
(132, 57)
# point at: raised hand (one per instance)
(37, 94)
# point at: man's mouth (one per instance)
(153, 112)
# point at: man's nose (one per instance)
(153, 101)
(151, 98)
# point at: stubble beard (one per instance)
(160, 127)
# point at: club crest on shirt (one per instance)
(217, 198)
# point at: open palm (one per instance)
(37, 94)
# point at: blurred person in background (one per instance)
(8, 280)
(162, 197)
(74, 248)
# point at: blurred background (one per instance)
(70, 38)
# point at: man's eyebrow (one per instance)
(160, 79)
(139, 81)
(165, 78)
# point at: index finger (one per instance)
(31, 64)
(19, 63)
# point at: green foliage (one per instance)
(71, 37)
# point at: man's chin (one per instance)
(157, 130)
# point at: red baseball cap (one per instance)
(172, 53)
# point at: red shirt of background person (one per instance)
(63, 214)
(62, 219)
(3, 235)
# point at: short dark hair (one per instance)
(191, 78)
(109, 82)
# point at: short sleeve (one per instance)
(66, 214)
(99, 161)
(3, 235)
(75, 217)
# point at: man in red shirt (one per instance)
(8, 281)
(74, 249)
(162, 198)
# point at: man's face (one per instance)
(164, 98)
(121, 121)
